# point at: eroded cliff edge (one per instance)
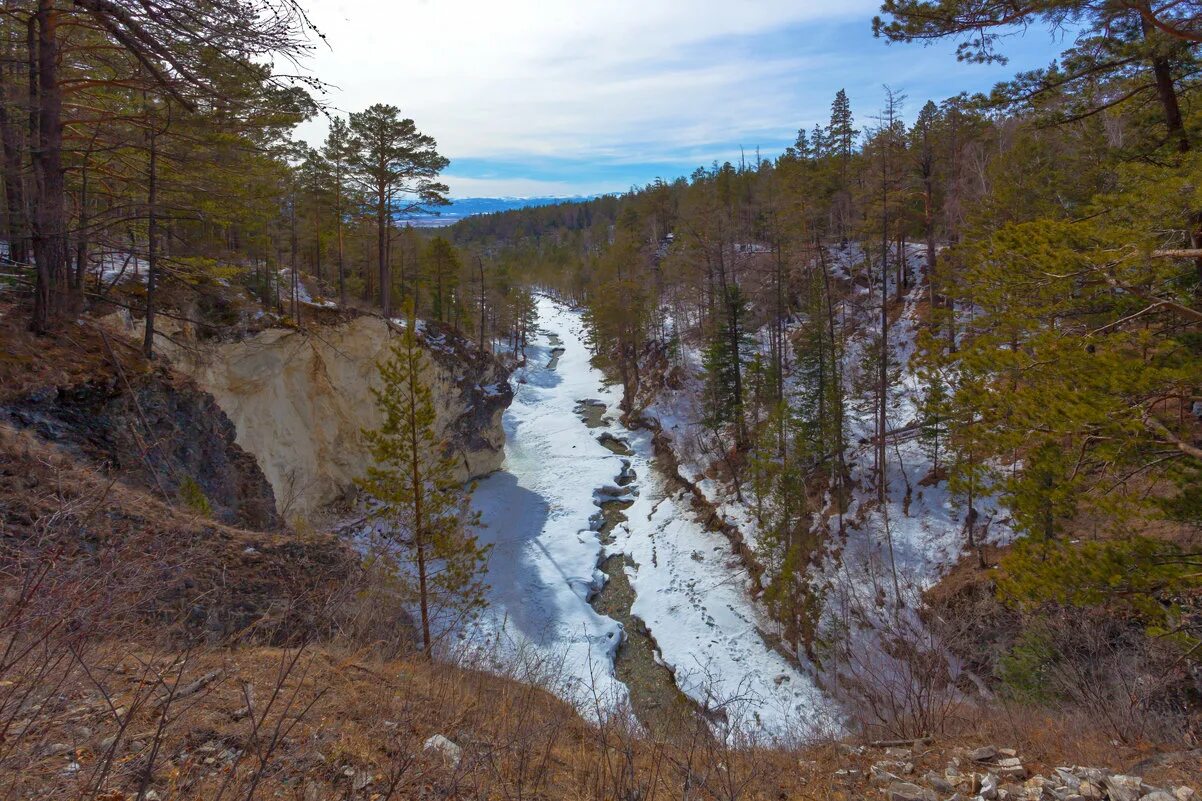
(300, 398)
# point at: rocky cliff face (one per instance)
(156, 430)
(300, 399)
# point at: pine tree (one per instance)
(425, 511)
(443, 267)
(923, 146)
(398, 166)
(314, 187)
(724, 359)
(802, 147)
(933, 413)
(841, 133)
(819, 144)
(817, 402)
(786, 543)
(339, 153)
(620, 312)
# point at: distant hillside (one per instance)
(470, 206)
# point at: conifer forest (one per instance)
(683, 400)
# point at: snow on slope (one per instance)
(926, 525)
(691, 593)
(920, 523)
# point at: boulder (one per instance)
(880, 775)
(986, 753)
(905, 791)
(1012, 791)
(1010, 768)
(937, 782)
(1037, 787)
(1123, 788)
(444, 747)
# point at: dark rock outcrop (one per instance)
(483, 393)
(159, 431)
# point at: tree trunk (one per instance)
(317, 250)
(480, 263)
(293, 262)
(928, 230)
(49, 246)
(14, 181)
(81, 239)
(151, 241)
(341, 256)
(837, 384)
(416, 479)
(882, 388)
(1166, 91)
(734, 336)
(382, 251)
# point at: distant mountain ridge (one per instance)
(471, 206)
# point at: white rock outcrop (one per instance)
(300, 400)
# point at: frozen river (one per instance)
(540, 513)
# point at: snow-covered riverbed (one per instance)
(691, 592)
(536, 512)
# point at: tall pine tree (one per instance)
(425, 510)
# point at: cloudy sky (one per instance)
(543, 97)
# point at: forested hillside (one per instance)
(156, 143)
(995, 304)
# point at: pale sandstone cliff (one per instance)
(300, 399)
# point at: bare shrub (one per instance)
(900, 682)
(1133, 686)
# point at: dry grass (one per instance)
(144, 560)
(76, 355)
(323, 723)
(319, 724)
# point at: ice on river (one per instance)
(691, 593)
(537, 514)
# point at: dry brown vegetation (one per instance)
(29, 362)
(325, 723)
(113, 687)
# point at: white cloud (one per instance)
(523, 187)
(534, 97)
(531, 77)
